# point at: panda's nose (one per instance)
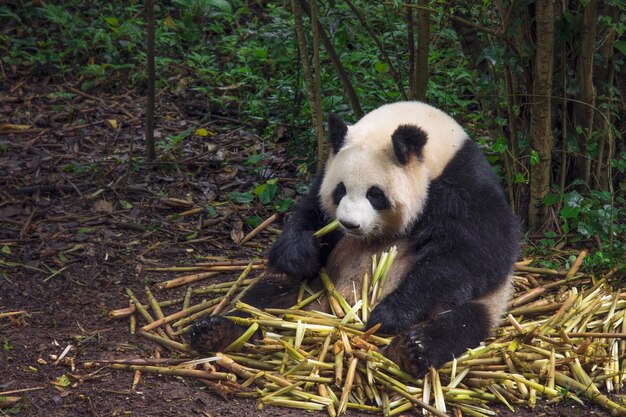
(348, 225)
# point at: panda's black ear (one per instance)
(337, 130)
(408, 140)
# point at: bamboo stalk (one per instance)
(577, 263)
(184, 280)
(167, 342)
(347, 387)
(19, 391)
(180, 314)
(13, 313)
(305, 353)
(330, 227)
(154, 305)
(259, 228)
(164, 370)
(229, 295)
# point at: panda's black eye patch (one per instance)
(339, 192)
(377, 198)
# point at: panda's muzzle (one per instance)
(348, 225)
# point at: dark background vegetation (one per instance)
(538, 83)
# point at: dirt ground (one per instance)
(79, 224)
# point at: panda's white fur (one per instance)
(366, 160)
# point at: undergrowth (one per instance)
(241, 57)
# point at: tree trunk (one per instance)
(421, 58)
(341, 71)
(471, 44)
(410, 38)
(540, 123)
(316, 105)
(310, 82)
(583, 108)
(150, 94)
(604, 76)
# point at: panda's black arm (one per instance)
(297, 252)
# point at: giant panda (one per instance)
(408, 175)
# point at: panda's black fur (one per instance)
(460, 251)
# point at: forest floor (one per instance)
(79, 224)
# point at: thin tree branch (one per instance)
(316, 105)
(150, 151)
(410, 37)
(341, 71)
(494, 32)
(306, 64)
(421, 58)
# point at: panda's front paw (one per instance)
(212, 334)
(296, 254)
(413, 352)
(393, 317)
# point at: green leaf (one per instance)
(551, 199)
(573, 199)
(501, 121)
(520, 178)
(266, 192)
(113, 21)
(181, 136)
(500, 145)
(6, 250)
(381, 67)
(253, 221)
(223, 5)
(621, 45)
(569, 212)
(211, 211)
(63, 381)
(126, 205)
(534, 157)
(6, 345)
(584, 229)
(241, 198)
(88, 85)
(284, 205)
(254, 159)
(85, 230)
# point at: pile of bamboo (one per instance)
(564, 338)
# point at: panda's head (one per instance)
(377, 174)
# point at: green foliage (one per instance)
(7, 345)
(76, 168)
(173, 143)
(242, 58)
(596, 221)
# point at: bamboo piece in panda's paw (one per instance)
(330, 227)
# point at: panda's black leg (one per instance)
(213, 333)
(435, 342)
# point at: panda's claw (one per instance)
(418, 344)
(411, 351)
